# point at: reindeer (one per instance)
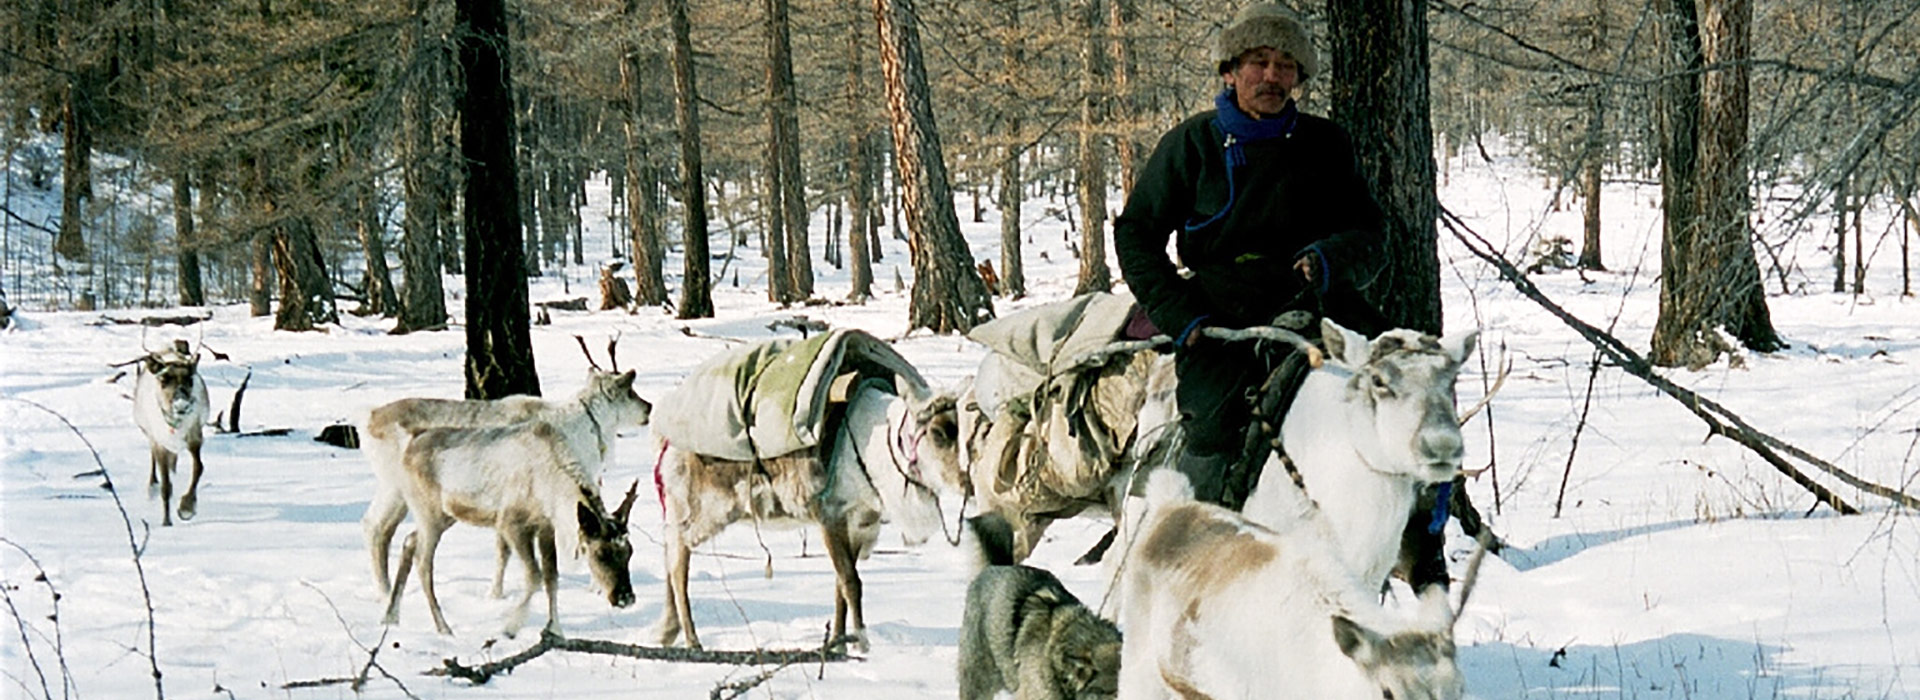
(1369, 427)
(1216, 605)
(533, 483)
(170, 406)
(888, 458)
(390, 427)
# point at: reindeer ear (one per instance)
(590, 525)
(1358, 643)
(1459, 345)
(626, 380)
(1344, 346)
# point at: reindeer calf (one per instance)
(533, 482)
(1217, 606)
(170, 406)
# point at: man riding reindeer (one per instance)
(1270, 215)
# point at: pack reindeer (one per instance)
(534, 482)
(170, 406)
(1218, 606)
(889, 460)
(390, 427)
(1369, 428)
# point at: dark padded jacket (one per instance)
(1295, 194)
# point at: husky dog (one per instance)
(1025, 633)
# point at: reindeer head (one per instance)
(603, 539)
(1419, 663)
(937, 423)
(172, 378)
(1400, 397)
(610, 393)
(1412, 665)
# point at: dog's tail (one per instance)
(991, 538)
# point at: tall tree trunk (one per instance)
(76, 185)
(1013, 272)
(381, 298)
(1380, 68)
(306, 295)
(1840, 232)
(1090, 177)
(1593, 161)
(948, 295)
(423, 182)
(643, 177)
(1710, 279)
(859, 176)
(784, 117)
(260, 282)
(187, 261)
(1121, 110)
(696, 291)
(499, 358)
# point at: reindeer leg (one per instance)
(847, 597)
(430, 531)
(407, 549)
(679, 615)
(501, 548)
(382, 518)
(163, 460)
(550, 573)
(520, 541)
(190, 503)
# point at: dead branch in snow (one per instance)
(549, 641)
(152, 653)
(1719, 420)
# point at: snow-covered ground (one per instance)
(1680, 566)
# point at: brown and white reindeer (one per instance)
(534, 482)
(170, 406)
(390, 427)
(888, 461)
(1215, 605)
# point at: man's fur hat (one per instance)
(1266, 24)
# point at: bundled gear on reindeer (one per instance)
(1056, 402)
(779, 396)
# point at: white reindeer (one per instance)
(1368, 429)
(391, 426)
(170, 406)
(1217, 606)
(887, 461)
(533, 482)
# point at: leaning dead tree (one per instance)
(1719, 420)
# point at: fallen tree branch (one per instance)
(549, 641)
(1719, 420)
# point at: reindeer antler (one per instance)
(585, 351)
(626, 504)
(1506, 367)
(615, 359)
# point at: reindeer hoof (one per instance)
(188, 507)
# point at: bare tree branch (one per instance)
(550, 641)
(1719, 420)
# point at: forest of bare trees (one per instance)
(314, 159)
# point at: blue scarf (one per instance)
(1240, 130)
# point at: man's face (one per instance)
(1262, 80)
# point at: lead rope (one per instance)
(896, 441)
